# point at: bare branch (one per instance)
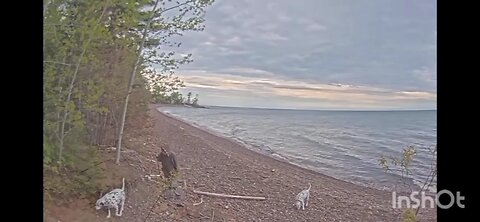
(201, 201)
(61, 63)
(176, 6)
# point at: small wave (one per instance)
(338, 144)
(432, 188)
(236, 130)
(279, 156)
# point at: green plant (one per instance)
(409, 215)
(402, 165)
(78, 177)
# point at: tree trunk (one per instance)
(130, 84)
(70, 91)
(45, 8)
(132, 78)
(104, 130)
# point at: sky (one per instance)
(315, 54)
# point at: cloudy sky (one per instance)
(315, 54)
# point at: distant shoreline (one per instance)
(182, 105)
(294, 109)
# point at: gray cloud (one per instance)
(298, 94)
(386, 44)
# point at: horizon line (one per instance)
(301, 109)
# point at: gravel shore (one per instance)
(212, 163)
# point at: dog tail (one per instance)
(123, 183)
(309, 186)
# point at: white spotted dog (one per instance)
(113, 199)
(301, 201)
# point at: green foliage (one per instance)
(90, 48)
(79, 176)
(164, 87)
(195, 100)
(402, 165)
(176, 98)
(189, 97)
(168, 182)
(48, 153)
(409, 216)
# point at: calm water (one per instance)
(343, 144)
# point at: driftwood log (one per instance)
(169, 162)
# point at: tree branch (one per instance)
(61, 63)
(176, 6)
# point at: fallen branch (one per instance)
(93, 166)
(201, 201)
(150, 179)
(148, 215)
(229, 196)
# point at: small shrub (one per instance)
(409, 215)
(78, 177)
